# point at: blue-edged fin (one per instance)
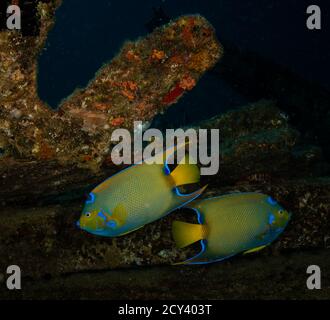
(200, 258)
(255, 249)
(190, 196)
(185, 234)
(185, 173)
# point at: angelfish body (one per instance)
(231, 224)
(137, 196)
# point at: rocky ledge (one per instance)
(265, 155)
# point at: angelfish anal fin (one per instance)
(255, 249)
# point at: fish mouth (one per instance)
(91, 230)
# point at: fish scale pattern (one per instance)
(143, 192)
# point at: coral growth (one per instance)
(144, 78)
(173, 95)
(158, 55)
(117, 122)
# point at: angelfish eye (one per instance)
(87, 214)
(280, 212)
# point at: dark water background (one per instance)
(87, 35)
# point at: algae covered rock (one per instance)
(74, 142)
(258, 143)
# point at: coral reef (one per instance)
(144, 78)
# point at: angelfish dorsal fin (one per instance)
(185, 173)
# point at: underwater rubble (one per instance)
(49, 159)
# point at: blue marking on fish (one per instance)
(271, 218)
(91, 198)
(102, 215)
(271, 201)
(199, 216)
(167, 169)
(111, 224)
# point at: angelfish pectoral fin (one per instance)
(120, 215)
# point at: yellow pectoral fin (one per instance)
(185, 173)
(120, 214)
(185, 233)
(254, 249)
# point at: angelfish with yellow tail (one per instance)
(231, 224)
(136, 196)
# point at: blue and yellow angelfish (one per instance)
(231, 224)
(137, 196)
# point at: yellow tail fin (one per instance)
(185, 173)
(185, 233)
